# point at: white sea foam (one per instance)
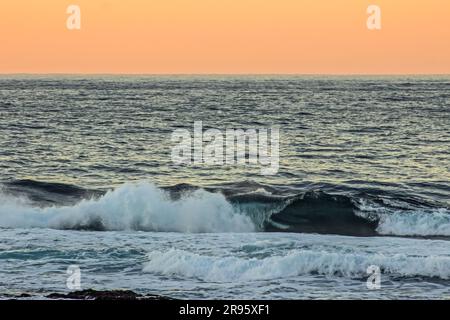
(294, 263)
(416, 223)
(144, 206)
(410, 222)
(140, 206)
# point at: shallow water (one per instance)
(230, 266)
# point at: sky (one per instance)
(225, 37)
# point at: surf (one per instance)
(293, 263)
(143, 206)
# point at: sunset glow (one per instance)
(229, 37)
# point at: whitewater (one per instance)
(223, 265)
(87, 182)
(143, 206)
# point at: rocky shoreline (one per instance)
(91, 294)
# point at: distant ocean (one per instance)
(87, 179)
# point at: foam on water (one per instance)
(141, 206)
(293, 263)
(413, 221)
(436, 223)
(224, 266)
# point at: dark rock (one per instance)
(91, 294)
(19, 296)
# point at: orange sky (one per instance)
(225, 36)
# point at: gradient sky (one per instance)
(225, 36)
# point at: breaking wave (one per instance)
(294, 263)
(140, 206)
(184, 208)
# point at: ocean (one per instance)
(363, 184)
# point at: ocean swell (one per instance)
(140, 206)
(145, 207)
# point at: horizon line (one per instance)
(212, 74)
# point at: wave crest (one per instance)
(185, 208)
(293, 263)
(140, 206)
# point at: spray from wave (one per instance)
(141, 206)
(146, 207)
(409, 221)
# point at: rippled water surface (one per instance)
(364, 179)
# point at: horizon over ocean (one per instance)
(363, 180)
